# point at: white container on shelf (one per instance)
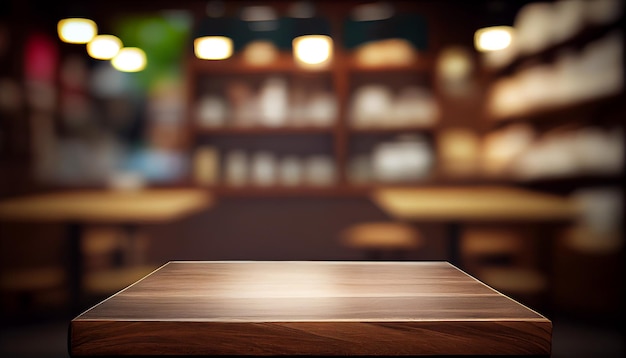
(243, 102)
(600, 228)
(264, 171)
(566, 84)
(236, 168)
(290, 171)
(127, 181)
(298, 111)
(274, 102)
(599, 151)
(321, 109)
(534, 23)
(600, 67)
(569, 18)
(206, 165)
(414, 106)
(603, 11)
(505, 97)
(371, 105)
(536, 86)
(552, 156)
(211, 111)
(502, 147)
(319, 170)
(403, 160)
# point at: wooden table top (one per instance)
(474, 203)
(106, 206)
(309, 307)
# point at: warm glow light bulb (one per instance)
(313, 49)
(129, 59)
(76, 30)
(104, 47)
(493, 38)
(213, 47)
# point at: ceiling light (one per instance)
(104, 47)
(213, 47)
(77, 30)
(493, 38)
(130, 59)
(313, 49)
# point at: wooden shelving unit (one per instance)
(605, 111)
(258, 130)
(586, 35)
(568, 114)
(334, 140)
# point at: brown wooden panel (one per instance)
(311, 338)
(308, 307)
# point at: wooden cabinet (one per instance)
(284, 129)
(564, 105)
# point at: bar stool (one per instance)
(382, 240)
(500, 257)
(33, 290)
(110, 264)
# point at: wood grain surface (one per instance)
(474, 203)
(106, 206)
(309, 307)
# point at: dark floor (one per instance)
(571, 338)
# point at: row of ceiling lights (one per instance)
(308, 50)
(312, 50)
(101, 47)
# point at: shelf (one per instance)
(398, 129)
(285, 191)
(553, 184)
(548, 54)
(336, 140)
(565, 114)
(237, 65)
(602, 111)
(345, 190)
(423, 64)
(256, 130)
(284, 63)
(567, 184)
(287, 130)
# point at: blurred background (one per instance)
(291, 113)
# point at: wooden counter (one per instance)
(79, 208)
(490, 204)
(106, 206)
(309, 307)
(457, 206)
